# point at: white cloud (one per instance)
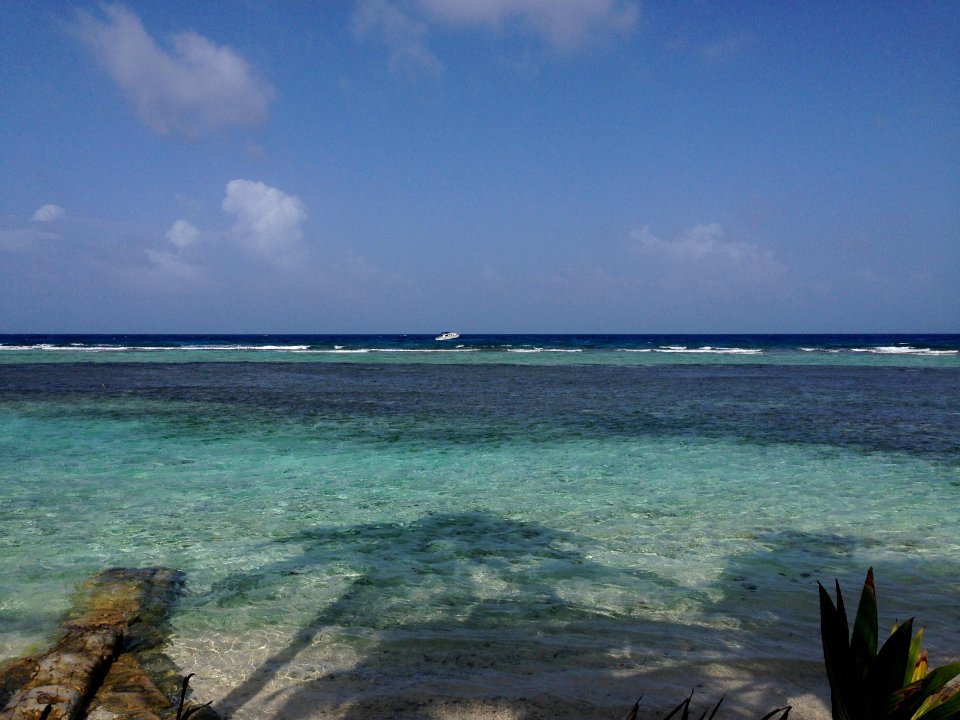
(703, 254)
(197, 87)
(182, 234)
(267, 223)
(48, 213)
(173, 264)
(404, 36)
(698, 244)
(267, 219)
(565, 24)
(404, 27)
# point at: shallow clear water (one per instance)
(411, 519)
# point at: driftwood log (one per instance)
(95, 670)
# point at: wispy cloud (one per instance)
(22, 237)
(178, 262)
(48, 213)
(724, 49)
(566, 25)
(701, 243)
(704, 255)
(173, 264)
(404, 36)
(194, 87)
(18, 239)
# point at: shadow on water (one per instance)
(494, 588)
(504, 618)
(473, 604)
(776, 586)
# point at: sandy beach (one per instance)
(750, 690)
(415, 687)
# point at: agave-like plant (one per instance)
(892, 683)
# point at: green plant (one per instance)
(892, 683)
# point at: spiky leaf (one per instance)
(717, 707)
(785, 710)
(836, 652)
(842, 613)
(947, 710)
(195, 709)
(886, 672)
(863, 644)
(917, 663)
(685, 706)
(920, 668)
(942, 690)
(913, 699)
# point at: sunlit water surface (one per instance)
(483, 522)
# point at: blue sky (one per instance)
(487, 166)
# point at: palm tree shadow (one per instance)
(513, 611)
(493, 584)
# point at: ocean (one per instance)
(575, 516)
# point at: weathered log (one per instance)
(128, 692)
(119, 609)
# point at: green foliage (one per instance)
(892, 683)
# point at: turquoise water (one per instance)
(477, 519)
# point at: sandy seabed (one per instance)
(411, 687)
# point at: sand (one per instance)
(752, 689)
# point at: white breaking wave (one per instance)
(46, 347)
(271, 348)
(77, 347)
(902, 350)
(707, 349)
(542, 349)
(74, 347)
(340, 350)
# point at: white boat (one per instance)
(447, 336)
